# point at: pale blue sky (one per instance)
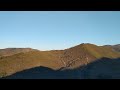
(46, 30)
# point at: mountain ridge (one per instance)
(12, 51)
(70, 58)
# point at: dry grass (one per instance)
(73, 57)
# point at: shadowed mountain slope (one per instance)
(104, 68)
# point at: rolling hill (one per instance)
(57, 60)
(12, 51)
(114, 47)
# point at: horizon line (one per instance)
(53, 49)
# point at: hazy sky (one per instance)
(46, 30)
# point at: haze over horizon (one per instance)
(55, 30)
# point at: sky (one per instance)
(55, 30)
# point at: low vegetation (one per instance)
(70, 58)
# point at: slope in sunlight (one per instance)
(12, 51)
(71, 58)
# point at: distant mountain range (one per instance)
(82, 61)
(115, 47)
(12, 51)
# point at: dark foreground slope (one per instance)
(104, 68)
